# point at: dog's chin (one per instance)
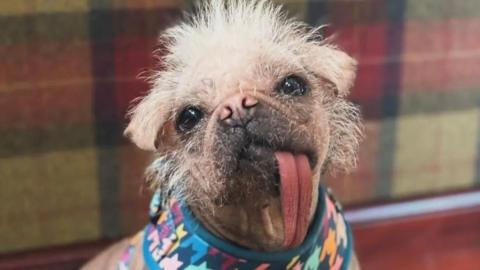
(262, 208)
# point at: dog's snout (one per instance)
(237, 110)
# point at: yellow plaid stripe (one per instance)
(53, 200)
(435, 152)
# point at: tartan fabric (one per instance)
(68, 70)
(418, 85)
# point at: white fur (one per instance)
(224, 43)
(221, 28)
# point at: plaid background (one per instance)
(68, 71)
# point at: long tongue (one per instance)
(296, 195)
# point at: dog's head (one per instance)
(245, 115)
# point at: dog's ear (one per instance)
(333, 65)
(150, 127)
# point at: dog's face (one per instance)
(244, 117)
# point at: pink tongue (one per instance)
(296, 195)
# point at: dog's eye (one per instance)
(189, 118)
(293, 86)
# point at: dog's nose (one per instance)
(237, 110)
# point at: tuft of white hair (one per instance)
(233, 23)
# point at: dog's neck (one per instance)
(249, 225)
(174, 235)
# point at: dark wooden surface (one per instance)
(57, 258)
(441, 240)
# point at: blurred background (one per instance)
(68, 70)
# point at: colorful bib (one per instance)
(176, 240)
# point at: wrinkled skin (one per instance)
(244, 206)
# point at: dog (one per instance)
(245, 116)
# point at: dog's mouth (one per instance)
(293, 180)
(296, 148)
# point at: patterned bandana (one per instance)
(176, 240)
